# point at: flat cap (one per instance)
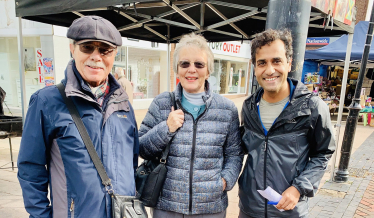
(95, 28)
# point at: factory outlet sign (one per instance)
(236, 49)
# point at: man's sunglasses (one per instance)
(89, 48)
(186, 64)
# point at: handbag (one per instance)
(122, 206)
(151, 174)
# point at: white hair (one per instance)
(199, 41)
(119, 72)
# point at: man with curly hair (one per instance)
(287, 134)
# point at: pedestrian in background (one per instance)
(205, 156)
(288, 134)
(120, 75)
(52, 151)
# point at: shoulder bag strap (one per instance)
(86, 139)
(165, 153)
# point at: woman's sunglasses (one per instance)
(186, 64)
(89, 48)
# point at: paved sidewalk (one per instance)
(354, 198)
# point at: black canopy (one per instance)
(223, 20)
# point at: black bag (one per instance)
(151, 174)
(122, 206)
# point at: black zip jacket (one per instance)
(295, 152)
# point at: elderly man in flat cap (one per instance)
(52, 151)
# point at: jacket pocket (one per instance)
(72, 208)
(221, 184)
(303, 150)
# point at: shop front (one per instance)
(145, 66)
(37, 56)
(232, 68)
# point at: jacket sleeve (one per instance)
(154, 133)
(233, 153)
(32, 160)
(322, 146)
(136, 144)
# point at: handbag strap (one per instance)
(165, 153)
(86, 139)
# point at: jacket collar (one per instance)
(208, 93)
(291, 84)
(76, 86)
(297, 90)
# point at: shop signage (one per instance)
(317, 41)
(225, 46)
(230, 48)
(39, 65)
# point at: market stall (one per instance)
(324, 69)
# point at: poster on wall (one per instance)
(342, 10)
(39, 65)
(29, 59)
(49, 75)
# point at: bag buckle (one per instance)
(109, 189)
(163, 161)
(136, 206)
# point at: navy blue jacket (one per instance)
(53, 153)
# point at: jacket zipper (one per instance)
(265, 157)
(72, 208)
(192, 161)
(193, 148)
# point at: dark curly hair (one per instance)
(267, 37)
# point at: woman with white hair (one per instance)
(124, 82)
(205, 156)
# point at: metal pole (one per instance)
(21, 68)
(293, 15)
(350, 128)
(11, 153)
(202, 13)
(168, 54)
(341, 103)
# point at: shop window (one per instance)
(9, 75)
(229, 77)
(144, 71)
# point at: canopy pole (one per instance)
(168, 62)
(21, 68)
(341, 104)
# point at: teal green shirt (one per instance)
(191, 108)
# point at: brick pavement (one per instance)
(366, 205)
(354, 198)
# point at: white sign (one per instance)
(234, 48)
